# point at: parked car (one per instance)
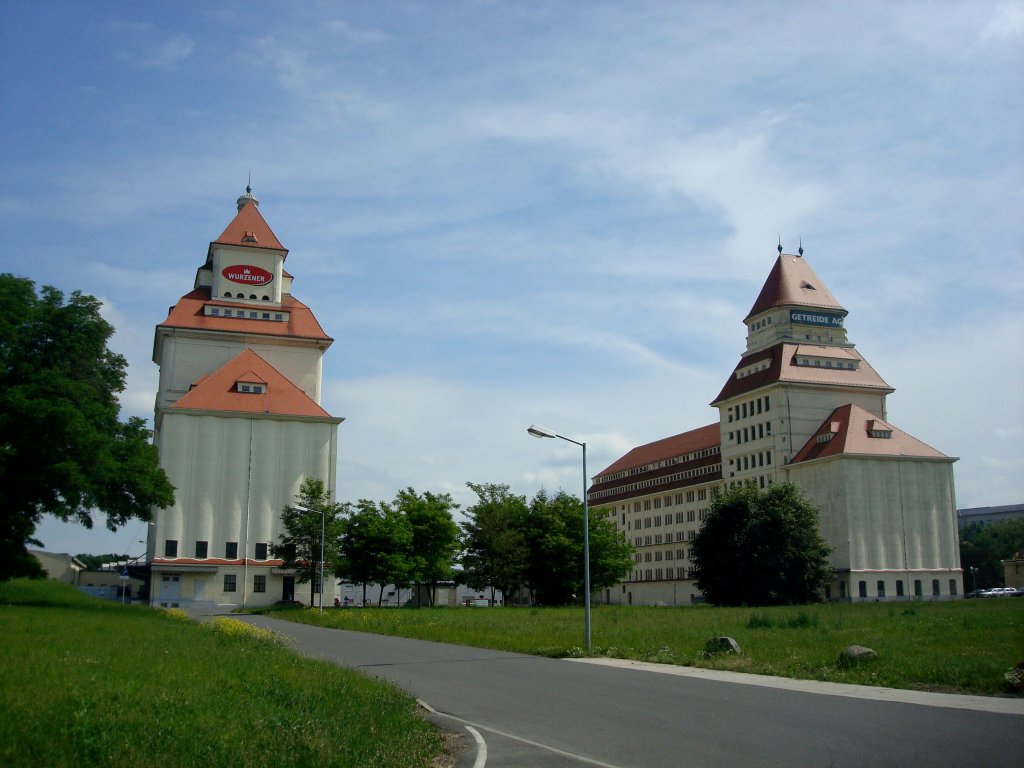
(1018, 592)
(1001, 592)
(975, 593)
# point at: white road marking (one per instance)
(481, 748)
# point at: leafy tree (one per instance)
(761, 548)
(435, 536)
(321, 520)
(494, 546)
(376, 547)
(983, 546)
(63, 449)
(554, 532)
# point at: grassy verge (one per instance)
(963, 646)
(92, 683)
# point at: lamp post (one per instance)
(322, 526)
(974, 577)
(538, 431)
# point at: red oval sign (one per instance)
(247, 274)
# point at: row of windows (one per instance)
(749, 408)
(259, 583)
(250, 313)
(662, 574)
(762, 481)
(752, 460)
(760, 324)
(862, 588)
(658, 556)
(230, 549)
(692, 456)
(816, 363)
(659, 538)
(674, 477)
(691, 516)
(753, 432)
(240, 295)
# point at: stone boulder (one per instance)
(717, 645)
(852, 655)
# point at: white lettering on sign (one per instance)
(248, 274)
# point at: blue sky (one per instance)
(560, 213)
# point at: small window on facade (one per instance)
(171, 548)
(243, 387)
(917, 588)
(261, 551)
(259, 583)
(231, 550)
(214, 311)
(252, 296)
(899, 588)
(952, 586)
(253, 315)
(201, 548)
(935, 587)
(227, 294)
(229, 582)
(881, 588)
(266, 315)
(278, 316)
(862, 588)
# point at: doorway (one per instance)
(288, 591)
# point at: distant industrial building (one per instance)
(988, 515)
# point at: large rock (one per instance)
(852, 655)
(718, 645)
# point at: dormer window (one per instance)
(251, 384)
(249, 237)
(879, 429)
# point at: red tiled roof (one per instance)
(783, 368)
(217, 392)
(250, 230)
(667, 448)
(188, 313)
(850, 427)
(792, 282)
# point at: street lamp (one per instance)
(306, 509)
(538, 431)
(974, 576)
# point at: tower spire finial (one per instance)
(780, 245)
(248, 197)
(800, 250)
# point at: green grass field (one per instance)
(964, 646)
(85, 682)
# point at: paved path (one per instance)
(522, 710)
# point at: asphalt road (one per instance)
(521, 710)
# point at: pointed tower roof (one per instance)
(792, 282)
(249, 229)
(220, 391)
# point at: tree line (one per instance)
(529, 550)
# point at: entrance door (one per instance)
(170, 591)
(288, 593)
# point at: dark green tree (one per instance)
(761, 548)
(494, 547)
(321, 520)
(376, 547)
(63, 449)
(554, 532)
(435, 537)
(984, 546)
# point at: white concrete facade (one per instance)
(238, 425)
